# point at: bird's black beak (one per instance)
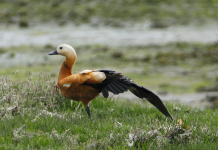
(54, 53)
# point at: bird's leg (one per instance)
(86, 105)
(88, 111)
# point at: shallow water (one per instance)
(83, 35)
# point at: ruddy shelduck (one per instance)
(86, 85)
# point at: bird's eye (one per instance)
(61, 47)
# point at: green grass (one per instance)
(34, 116)
(160, 13)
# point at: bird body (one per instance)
(73, 87)
(86, 85)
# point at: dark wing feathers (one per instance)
(142, 92)
(119, 86)
(126, 86)
(116, 88)
(114, 82)
(104, 91)
(112, 89)
(118, 83)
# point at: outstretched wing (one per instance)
(114, 82)
(118, 83)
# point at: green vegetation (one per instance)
(161, 13)
(35, 116)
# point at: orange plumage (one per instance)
(86, 85)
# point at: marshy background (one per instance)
(170, 47)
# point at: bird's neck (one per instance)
(66, 68)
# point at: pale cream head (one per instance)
(66, 50)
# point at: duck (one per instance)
(88, 84)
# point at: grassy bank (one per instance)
(160, 13)
(35, 116)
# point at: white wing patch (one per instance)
(86, 71)
(66, 85)
(99, 76)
